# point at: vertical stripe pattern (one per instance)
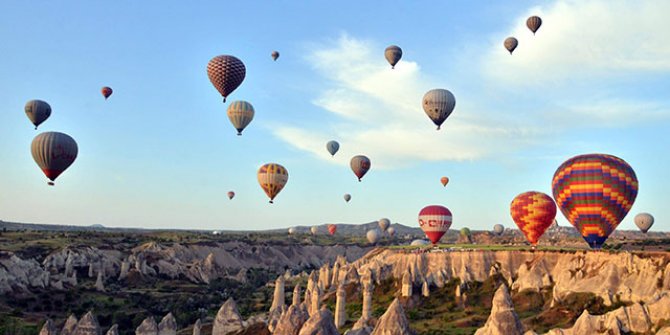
(272, 177)
(393, 54)
(510, 44)
(37, 111)
(360, 165)
(240, 114)
(54, 152)
(533, 23)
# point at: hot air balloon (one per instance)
(644, 221)
(419, 243)
(240, 114)
(292, 230)
(272, 177)
(498, 229)
(595, 192)
(314, 230)
(231, 194)
(226, 74)
(37, 111)
(533, 212)
(332, 147)
(465, 231)
(360, 165)
(384, 224)
(510, 44)
(533, 23)
(275, 55)
(391, 231)
(347, 197)
(438, 105)
(444, 181)
(373, 235)
(332, 229)
(435, 221)
(54, 153)
(393, 54)
(106, 92)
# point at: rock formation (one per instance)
(406, 290)
(168, 326)
(17, 274)
(503, 318)
(278, 297)
(228, 319)
(49, 328)
(393, 321)
(320, 323)
(197, 327)
(315, 304)
(368, 289)
(425, 290)
(70, 325)
(147, 327)
(335, 275)
(296, 295)
(340, 303)
(125, 267)
(99, 283)
(114, 330)
(361, 327)
(87, 325)
(291, 321)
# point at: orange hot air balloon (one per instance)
(332, 229)
(272, 177)
(533, 212)
(106, 92)
(444, 181)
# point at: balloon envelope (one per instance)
(347, 197)
(360, 165)
(595, 192)
(231, 194)
(240, 114)
(37, 111)
(644, 221)
(419, 243)
(533, 23)
(292, 230)
(226, 74)
(435, 221)
(106, 92)
(275, 55)
(533, 212)
(373, 235)
(384, 224)
(272, 177)
(53, 152)
(444, 181)
(332, 147)
(332, 229)
(314, 230)
(498, 229)
(465, 231)
(438, 105)
(391, 231)
(510, 44)
(393, 54)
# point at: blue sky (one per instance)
(161, 152)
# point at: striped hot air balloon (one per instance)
(37, 111)
(54, 152)
(240, 114)
(272, 177)
(226, 74)
(393, 54)
(510, 44)
(360, 165)
(438, 105)
(533, 23)
(435, 221)
(595, 192)
(332, 229)
(533, 212)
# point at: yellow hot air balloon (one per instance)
(272, 177)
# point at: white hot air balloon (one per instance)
(373, 235)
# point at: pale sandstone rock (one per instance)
(87, 325)
(320, 323)
(147, 327)
(292, 320)
(113, 330)
(168, 325)
(228, 319)
(393, 321)
(48, 328)
(503, 318)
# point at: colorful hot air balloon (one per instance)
(644, 221)
(465, 231)
(444, 181)
(37, 111)
(360, 165)
(438, 105)
(510, 44)
(332, 147)
(54, 153)
(533, 23)
(393, 54)
(498, 229)
(231, 194)
(226, 74)
(533, 212)
(275, 55)
(595, 192)
(391, 231)
(240, 114)
(373, 235)
(292, 230)
(435, 221)
(314, 230)
(384, 224)
(347, 197)
(272, 177)
(332, 229)
(106, 92)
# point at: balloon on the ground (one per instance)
(332, 147)
(37, 111)
(465, 231)
(231, 194)
(360, 165)
(444, 181)
(391, 231)
(438, 105)
(384, 223)
(533, 23)
(533, 212)
(435, 221)
(314, 230)
(54, 152)
(393, 54)
(332, 229)
(226, 74)
(419, 243)
(292, 230)
(106, 92)
(498, 229)
(272, 177)
(644, 221)
(510, 44)
(347, 197)
(595, 192)
(275, 55)
(373, 235)
(240, 114)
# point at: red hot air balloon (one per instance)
(360, 165)
(444, 181)
(332, 229)
(595, 192)
(231, 195)
(226, 74)
(533, 212)
(435, 221)
(106, 92)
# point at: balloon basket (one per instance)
(50, 183)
